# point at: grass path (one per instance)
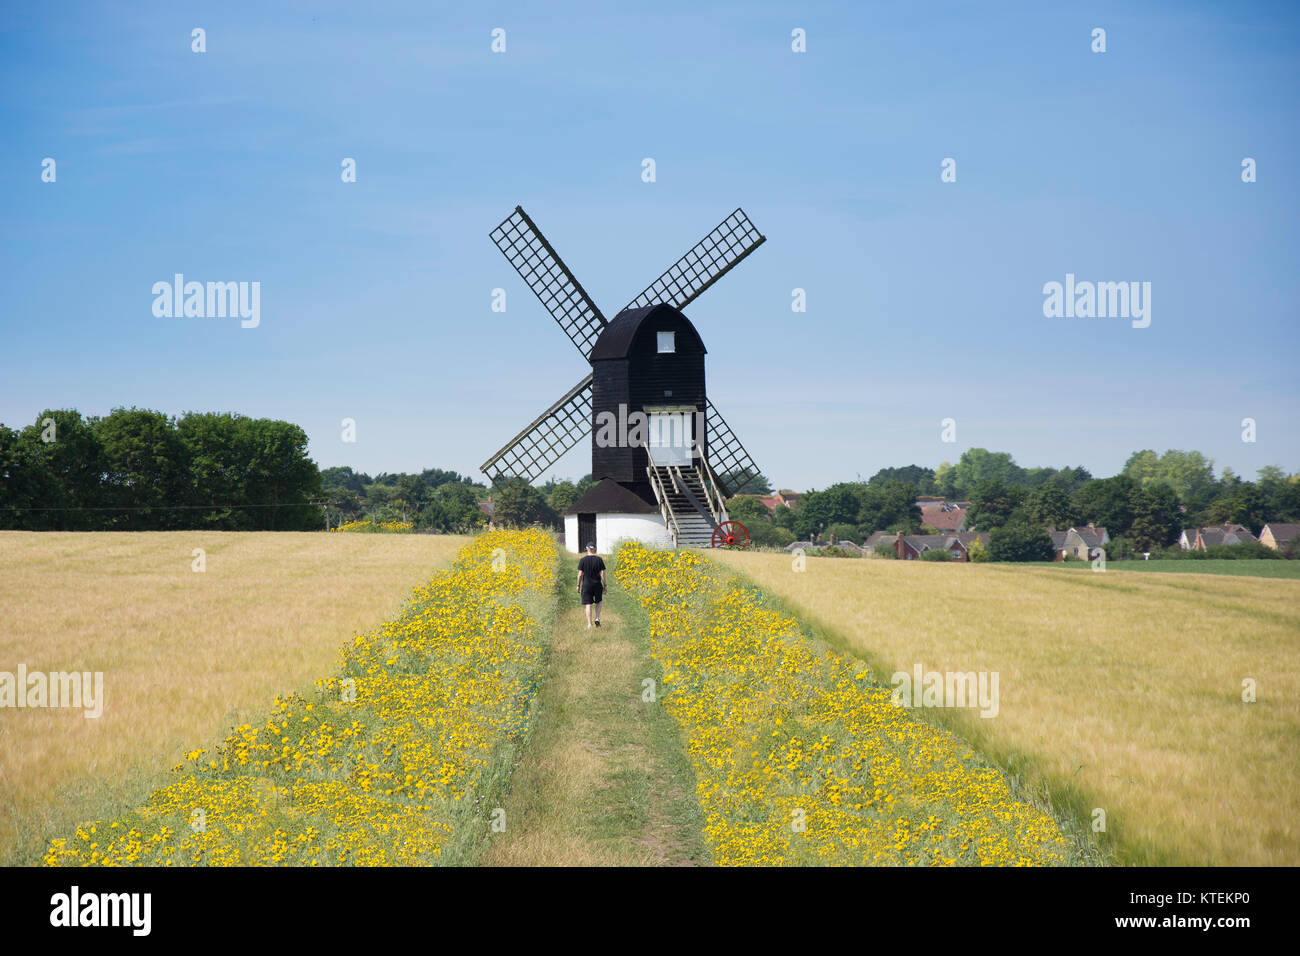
(605, 781)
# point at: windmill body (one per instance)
(662, 458)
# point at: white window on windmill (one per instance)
(667, 342)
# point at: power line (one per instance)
(286, 504)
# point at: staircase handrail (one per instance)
(661, 495)
(721, 511)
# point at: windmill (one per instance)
(664, 461)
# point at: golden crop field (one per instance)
(184, 653)
(1118, 691)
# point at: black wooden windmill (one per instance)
(663, 459)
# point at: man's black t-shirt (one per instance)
(590, 565)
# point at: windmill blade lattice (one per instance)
(550, 279)
(530, 453)
(708, 261)
(732, 467)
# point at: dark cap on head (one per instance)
(591, 546)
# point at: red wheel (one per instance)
(731, 534)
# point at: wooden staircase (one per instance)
(690, 502)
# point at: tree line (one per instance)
(141, 470)
(444, 501)
(1145, 507)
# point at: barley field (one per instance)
(184, 653)
(1118, 691)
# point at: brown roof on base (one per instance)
(607, 496)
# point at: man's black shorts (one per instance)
(592, 593)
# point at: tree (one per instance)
(410, 495)
(945, 481)
(978, 465)
(145, 470)
(279, 477)
(1069, 479)
(741, 482)
(747, 510)
(249, 474)
(920, 478)
(1020, 542)
(518, 504)
(842, 531)
(379, 500)
(783, 517)
(562, 496)
(1283, 499)
(1189, 473)
(344, 477)
(1049, 506)
(1157, 520)
(1246, 504)
(67, 468)
(345, 502)
(818, 510)
(992, 503)
(454, 509)
(764, 534)
(437, 477)
(24, 484)
(890, 506)
(1107, 502)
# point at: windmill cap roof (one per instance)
(618, 338)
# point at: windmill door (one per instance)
(669, 436)
(586, 530)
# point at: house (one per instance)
(944, 516)
(876, 538)
(1083, 542)
(845, 545)
(812, 547)
(1223, 534)
(1198, 539)
(910, 547)
(1058, 543)
(782, 497)
(1279, 536)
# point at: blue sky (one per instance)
(924, 298)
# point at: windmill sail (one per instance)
(732, 467)
(549, 436)
(708, 261)
(550, 279)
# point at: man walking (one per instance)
(591, 582)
